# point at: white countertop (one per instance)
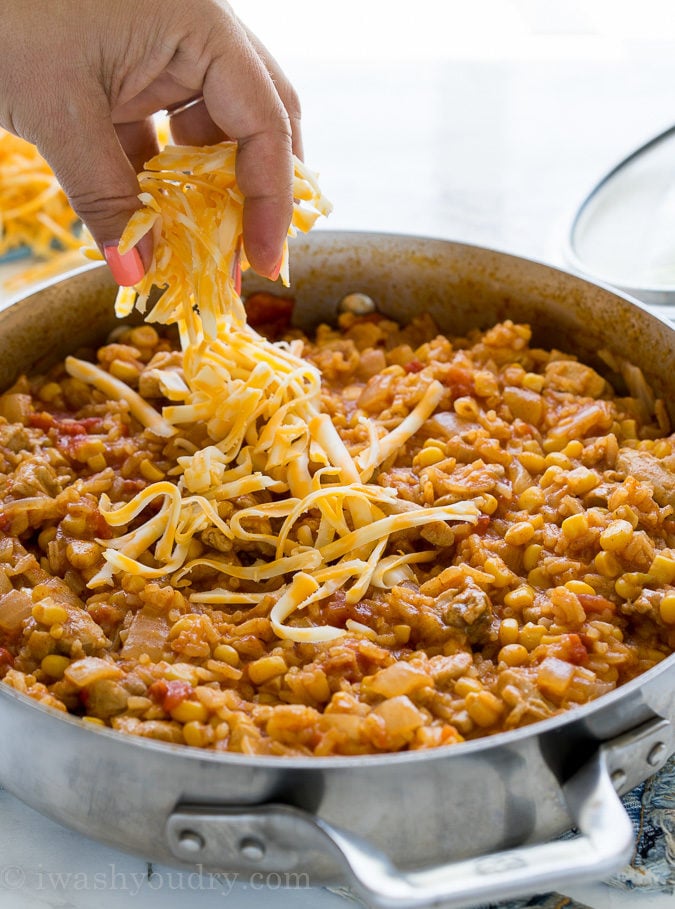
(495, 148)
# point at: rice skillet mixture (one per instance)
(562, 590)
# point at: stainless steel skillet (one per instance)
(457, 825)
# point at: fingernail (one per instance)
(274, 274)
(127, 268)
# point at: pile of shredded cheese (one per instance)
(34, 210)
(261, 405)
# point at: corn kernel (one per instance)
(90, 447)
(667, 609)
(531, 498)
(538, 578)
(581, 480)
(627, 588)
(558, 459)
(501, 576)
(519, 534)
(531, 635)
(190, 711)
(662, 449)
(662, 569)
(575, 526)
(626, 513)
(607, 564)
(466, 685)
(94, 720)
(508, 631)
(49, 391)
(532, 461)
(629, 429)
(402, 633)
(554, 443)
(226, 654)
(56, 631)
(47, 612)
(150, 471)
(483, 707)
(487, 503)
(97, 463)
(197, 734)
(428, 456)
(513, 654)
(616, 536)
(221, 731)
(579, 587)
(432, 443)
(533, 382)
(520, 598)
(537, 521)
(485, 383)
(550, 475)
(122, 369)
(531, 556)
(574, 449)
(143, 336)
(45, 537)
(55, 665)
(266, 668)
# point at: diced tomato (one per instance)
(42, 420)
(593, 602)
(92, 424)
(133, 486)
(270, 314)
(573, 648)
(335, 608)
(458, 380)
(414, 366)
(482, 524)
(170, 694)
(65, 424)
(98, 524)
(6, 658)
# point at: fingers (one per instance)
(85, 153)
(285, 90)
(139, 141)
(242, 100)
(195, 126)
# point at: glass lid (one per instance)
(624, 231)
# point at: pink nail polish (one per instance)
(127, 269)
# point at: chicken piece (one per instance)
(574, 377)
(660, 474)
(469, 609)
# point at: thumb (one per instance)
(100, 182)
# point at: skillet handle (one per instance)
(260, 837)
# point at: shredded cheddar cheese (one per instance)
(34, 210)
(260, 403)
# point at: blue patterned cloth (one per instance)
(651, 808)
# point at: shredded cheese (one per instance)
(34, 210)
(327, 527)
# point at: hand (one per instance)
(81, 80)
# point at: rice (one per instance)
(563, 590)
